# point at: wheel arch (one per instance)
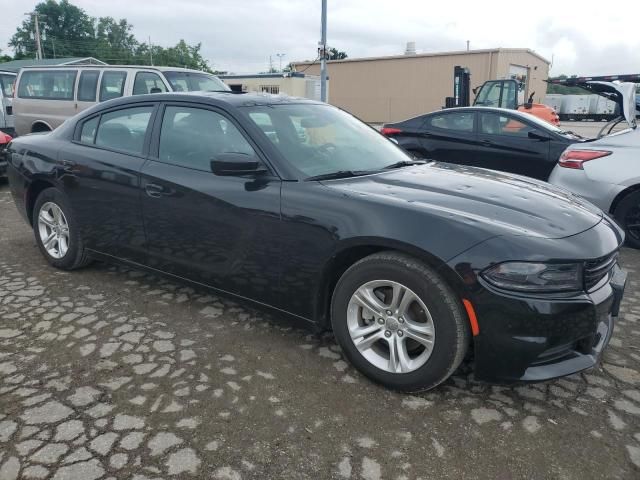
(353, 251)
(618, 198)
(40, 126)
(33, 191)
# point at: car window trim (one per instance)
(510, 117)
(147, 137)
(155, 138)
(68, 70)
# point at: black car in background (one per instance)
(297, 206)
(495, 138)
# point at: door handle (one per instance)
(154, 190)
(486, 143)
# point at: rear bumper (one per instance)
(577, 181)
(535, 339)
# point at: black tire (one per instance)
(627, 212)
(76, 255)
(452, 336)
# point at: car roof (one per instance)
(235, 99)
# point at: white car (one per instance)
(606, 171)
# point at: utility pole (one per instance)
(270, 64)
(38, 44)
(150, 51)
(280, 55)
(323, 54)
(467, 45)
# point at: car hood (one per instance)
(501, 203)
(624, 94)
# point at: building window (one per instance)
(274, 89)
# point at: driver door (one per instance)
(215, 230)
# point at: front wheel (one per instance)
(57, 232)
(398, 322)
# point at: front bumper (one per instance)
(525, 339)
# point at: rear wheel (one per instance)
(398, 322)
(627, 214)
(57, 232)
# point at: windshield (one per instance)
(7, 83)
(321, 139)
(195, 82)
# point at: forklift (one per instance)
(498, 94)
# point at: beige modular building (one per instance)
(389, 89)
(294, 84)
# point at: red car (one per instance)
(4, 141)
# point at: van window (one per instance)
(87, 86)
(195, 82)
(51, 84)
(148, 82)
(112, 85)
(7, 83)
(124, 129)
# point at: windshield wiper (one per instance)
(341, 174)
(405, 163)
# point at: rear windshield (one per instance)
(195, 82)
(7, 84)
(52, 84)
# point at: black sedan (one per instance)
(495, 138)
(324, 219)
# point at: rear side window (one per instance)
(496, 124)
(461, 122)
(148, 82)
(124, 129)
(51, 84)
(112, 85)
(88, 132)
(87, 86)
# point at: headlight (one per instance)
(535, 277)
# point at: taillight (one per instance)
(575, 158)
(390, 131)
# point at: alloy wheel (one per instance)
(390, 326)
(53, 229)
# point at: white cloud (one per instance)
(241, 35)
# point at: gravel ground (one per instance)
(112, 373)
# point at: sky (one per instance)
(240, 35)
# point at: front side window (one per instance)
(496, 124)
(148, 82)
(320, 139)
(112, 85)
(50, 84)
(7, 84)
(195, 82)
(124, 129)
(88, 85)
(192, 137)
(462, 122)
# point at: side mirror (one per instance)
(535, 135)
(236, 164)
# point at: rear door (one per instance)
(449, 136)
(217, 230)
(509, 144)
(103, 179)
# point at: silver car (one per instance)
(606, 171)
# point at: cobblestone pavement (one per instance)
(112, 373)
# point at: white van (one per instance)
(46, 96)
(7, 84)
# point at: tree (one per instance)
(65, 29)
(114, 41)
(335, 54)
(5, 58)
